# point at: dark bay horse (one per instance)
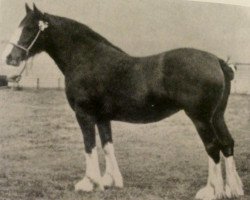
(103, 83)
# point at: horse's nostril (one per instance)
(9, 57)
(10, 60)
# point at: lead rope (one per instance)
(27, 54)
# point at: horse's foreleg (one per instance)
(112, 169)
(92, 176)
(112, 173)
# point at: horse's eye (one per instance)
(29, 29)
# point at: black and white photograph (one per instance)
(124, 99)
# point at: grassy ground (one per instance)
(42, 151)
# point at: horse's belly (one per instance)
(149, 114)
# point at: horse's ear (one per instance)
(27, 8)
(36, 10)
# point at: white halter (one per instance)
(42, 26)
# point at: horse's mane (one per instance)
(80, 29)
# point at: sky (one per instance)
(144, 27)
(232, 2)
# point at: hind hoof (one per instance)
(234, 192)
(118, 180)
(84, 185)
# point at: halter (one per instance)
(42, 26)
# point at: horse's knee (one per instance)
(87, 126)
(213, 150)
(104, 128)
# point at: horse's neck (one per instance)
(70, 39)
(59, 44)
(57, 55)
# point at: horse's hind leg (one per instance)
(214, 188)
(233, 182)
(112, 173)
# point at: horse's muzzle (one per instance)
(13, 61)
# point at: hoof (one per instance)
(209, 193)
(118, 181)
(107, 180)
(206, 193)
(119, 184)
(219, 191)
(234, 186)
(234, 192)
(85, 185)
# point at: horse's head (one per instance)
(29, 39)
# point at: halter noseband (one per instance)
(42, 26)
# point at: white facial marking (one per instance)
(16, 36)
(112, 168)
(14, 39)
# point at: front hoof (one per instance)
(84, 185)
(107, 180)
(206, 193)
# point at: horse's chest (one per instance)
(82, 100)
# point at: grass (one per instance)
(42, 151)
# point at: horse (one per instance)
(103, 84)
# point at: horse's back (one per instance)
(185, 63)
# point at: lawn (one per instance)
(42, 152)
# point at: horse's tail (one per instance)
(229, 75)
(227, 70)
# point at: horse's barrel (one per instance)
(3, 80)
